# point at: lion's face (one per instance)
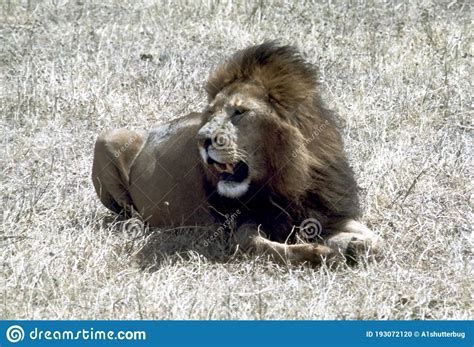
(232, 140)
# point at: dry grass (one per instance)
(397, 73)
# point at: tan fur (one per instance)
(265, 114)
(114, 154)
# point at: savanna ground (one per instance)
(398, 74)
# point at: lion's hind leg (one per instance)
(353, 240)
(114, 154)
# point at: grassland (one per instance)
(398, 74)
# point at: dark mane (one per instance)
(288, 79)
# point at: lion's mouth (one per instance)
(221, 168)
(235, 172)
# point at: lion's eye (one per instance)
(237, 113)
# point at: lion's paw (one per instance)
(354, 246)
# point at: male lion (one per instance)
(265, 150)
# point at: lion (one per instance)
(265, 146)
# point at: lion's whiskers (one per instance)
(233, 155)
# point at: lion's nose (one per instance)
(207, 142)
(204, 142)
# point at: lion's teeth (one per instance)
(224, 168)
(218, 167)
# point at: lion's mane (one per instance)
(312, 178)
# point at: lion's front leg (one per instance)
(354, 240)
(249, 239)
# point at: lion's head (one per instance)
(265, 127)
